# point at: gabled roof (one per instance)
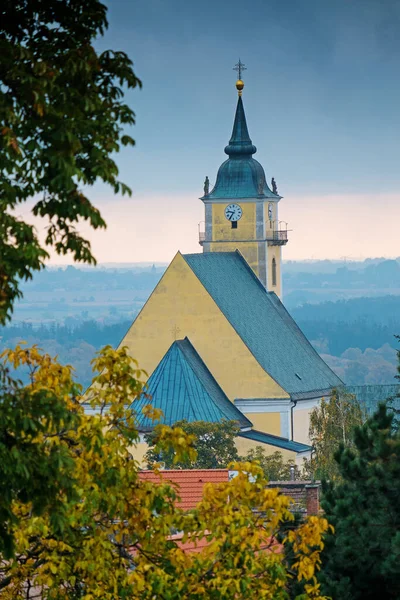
(189, 483)
(184, 389)
(262, 322)
(274, 440)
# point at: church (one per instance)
(215, 337)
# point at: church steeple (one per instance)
(241, 176)
(241, 211)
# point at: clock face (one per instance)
(270, 211)
(233, 212)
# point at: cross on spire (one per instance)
(239, 67)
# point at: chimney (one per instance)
(312, 499)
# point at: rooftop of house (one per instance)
(189, 483)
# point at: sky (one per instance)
(322, 98)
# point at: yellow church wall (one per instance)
(248, 249)
(243, 446)
(236, 239)
(301, 425)
(270, 422)
(222, 228)
(269, 222)
(138, 452)
(180, 306)
(274, 252)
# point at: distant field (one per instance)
(57, 306)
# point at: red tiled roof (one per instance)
(193, 545)
(189, 483)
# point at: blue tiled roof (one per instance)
(262, 322)
(274, 440)
(184, 389)
(241, 176)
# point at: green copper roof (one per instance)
(184, 389)
(274, 440)
(240, 143)
(241, 176)
(262, 322)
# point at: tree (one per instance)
(331, 424)
(274, 467)
(393, 402)
(61, 119)
(361, 561)
(214, 444)
(114, 540)
(34, 466)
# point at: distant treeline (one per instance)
(382, 274)
(296, 275)
(92, 280)
(357, 323)
(331, 266)
(379, 309)
(91, 332)
(337, 336)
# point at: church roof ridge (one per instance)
(262, 322)
(209, 382)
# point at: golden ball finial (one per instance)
(239, 86)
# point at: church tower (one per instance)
(241, 211)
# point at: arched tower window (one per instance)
(273, 271)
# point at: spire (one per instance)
(241, 175)
(240, 143)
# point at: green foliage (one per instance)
(34, 465)
(61, 119)
(274, 467)
(393, 402)
(362, 559)
(214, 444)
(74, 345)
(398, 357)
(332, 424)
(294, 586)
